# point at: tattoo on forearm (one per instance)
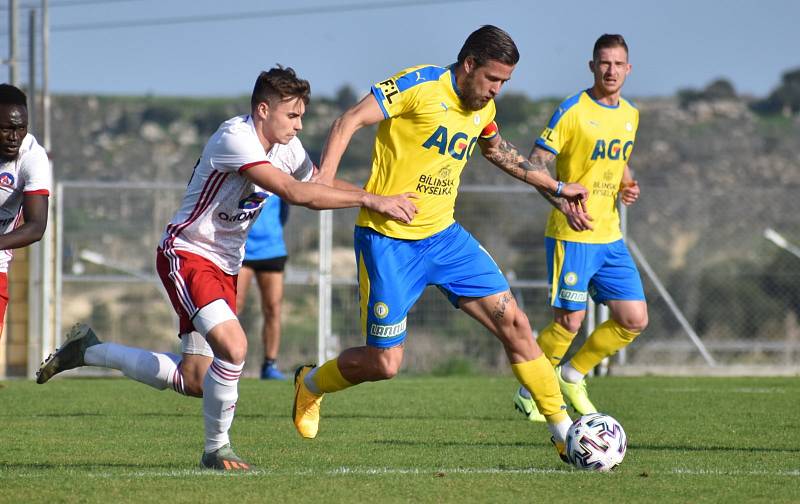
(500, 308)
(551, 198)
(506, 157)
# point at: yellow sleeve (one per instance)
(397, 94)
(560, 128)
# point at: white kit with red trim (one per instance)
(220, 204)
(29, 173)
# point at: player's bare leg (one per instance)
(353, 366)
(500, 314)
(270, 284)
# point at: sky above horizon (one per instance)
(204, 48)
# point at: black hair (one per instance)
(12, 95)
(607, 41)
(489, 43)
(279, 82)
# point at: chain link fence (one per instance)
(737, 290)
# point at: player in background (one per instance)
(25, 180)
(431, 118)
(264, 258)
(590, 137)
(247, 160)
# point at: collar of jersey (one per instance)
(452, 69)
(589, 94)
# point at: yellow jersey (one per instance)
(422, 145)
(592, 143)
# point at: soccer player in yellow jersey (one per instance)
(590, 137)
(431, 118)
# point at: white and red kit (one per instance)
(203, 246)
(28, 174)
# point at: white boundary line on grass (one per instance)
(382, 471)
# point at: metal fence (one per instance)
(710, 274)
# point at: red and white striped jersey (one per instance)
(220, 203)
(28, 174)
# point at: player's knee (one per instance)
(571, 321)
(385, 369)
(635, 322)
(192, 386)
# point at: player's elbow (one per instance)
(294, 194)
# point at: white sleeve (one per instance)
(35, 167)
(302, 166)
(235, 153)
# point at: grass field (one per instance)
(454, 439)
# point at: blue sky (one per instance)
(674, 44)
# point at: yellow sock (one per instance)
(328, 378)
(554, 340)
(539, 378)
(604, 342)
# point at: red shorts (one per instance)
(192, 282)
(3, 299)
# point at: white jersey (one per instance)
(220, 203)
(28, 174)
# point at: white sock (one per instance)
(570, 374)
(525, 392)
(559, 430)
(311, 384)
(220, 391)
(159, 370)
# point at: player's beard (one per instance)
(472, 100)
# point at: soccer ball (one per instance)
(596, 442)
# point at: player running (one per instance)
(430, 119)
(248, 159)
(590, 137)
(25, 180)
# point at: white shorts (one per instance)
(194, 343)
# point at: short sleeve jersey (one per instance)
(28, 174)
(220, 203)
(422, 145)
(592, 143)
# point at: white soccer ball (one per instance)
(596, 442)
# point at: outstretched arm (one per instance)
(532, 171)
(363, 113)
(321, 197)
(34, 213)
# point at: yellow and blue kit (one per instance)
(422, 145)
(592, 143)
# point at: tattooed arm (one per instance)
(505, 156)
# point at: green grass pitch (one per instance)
(413, 439)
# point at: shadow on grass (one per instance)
(492, 444)
(752, 449)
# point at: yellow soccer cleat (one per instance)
(561, 448)
(305, 411)
(527, 407)
(576, 395)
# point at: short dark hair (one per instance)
(607, 41)
(12, 95)
(279, 82)
(489, 43)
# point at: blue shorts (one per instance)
(605, 271)
(393, 273)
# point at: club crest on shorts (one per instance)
(571, 278)
(380, 310)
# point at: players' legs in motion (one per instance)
(158, 370)
(500, 314)
(270, 284)
(628, 320)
